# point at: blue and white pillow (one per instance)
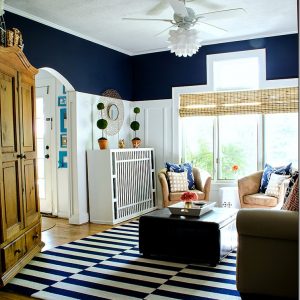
(268, 170)
(179, 168)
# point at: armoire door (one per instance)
(28, 149)
(10, 175)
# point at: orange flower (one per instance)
(235, 168)
(189, 196)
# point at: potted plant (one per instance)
(135, 125)
(102, 124)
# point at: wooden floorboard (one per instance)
(61, 233)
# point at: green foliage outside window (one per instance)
(231, 155)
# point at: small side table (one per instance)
(229, 197)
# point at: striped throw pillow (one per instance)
(292, 202)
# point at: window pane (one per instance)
(237, 145)
(39, 108)
(41, 184)
(40, 148)
(41, 168)
(281, 139)
(198, 139)
(236, 74)
(40, 128)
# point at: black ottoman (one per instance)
(191, 239)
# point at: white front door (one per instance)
(44, 127)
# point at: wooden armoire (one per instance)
(20, 221)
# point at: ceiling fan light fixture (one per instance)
(184, 42)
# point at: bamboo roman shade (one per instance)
(280, 100)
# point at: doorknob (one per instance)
(47, 156)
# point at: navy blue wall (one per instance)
(89, 67)
(155, 74)
(92, 68)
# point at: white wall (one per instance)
(155, 132)
(80, 133)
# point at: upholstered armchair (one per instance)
(202, 183)
(267, 254)
(250, 197)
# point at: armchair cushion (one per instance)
(260, 199)
(176, 196)
(178, 181)
(268, 170)
(181, 168)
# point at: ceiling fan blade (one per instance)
(211, 29)
(216, 27)
(179, 7)
(143, 19)
(224, 13)
(164, 30)
(158, 8)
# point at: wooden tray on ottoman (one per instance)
(196, 210)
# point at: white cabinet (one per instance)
(121, 184)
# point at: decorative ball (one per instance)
(100, 106)
(102, 123)
(136, 110)
(135, 125)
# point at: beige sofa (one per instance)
(202, 183)
(267, 256)
(250, 197)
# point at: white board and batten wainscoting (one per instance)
(121, 184)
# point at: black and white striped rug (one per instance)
(108, 266)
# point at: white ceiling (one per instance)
(101, 20)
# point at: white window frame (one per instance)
(263, 84)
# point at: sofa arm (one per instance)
(249, 184)
(264, 223)
(162, 176)
(267, 254)
(206, 183)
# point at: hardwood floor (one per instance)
(61, 233)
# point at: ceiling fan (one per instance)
(185, 17)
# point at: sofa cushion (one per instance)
(274, 184)
(181, 168)
(260, 199)
(178, 181)
(176, 196)
(268, 170)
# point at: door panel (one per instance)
(8, 114)
(28, 119)
(31, 196)
(12, 199)
(28, 149)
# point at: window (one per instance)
(237, 145)
(200, 148)
(281, 139)
(217, 143)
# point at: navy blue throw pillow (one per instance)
(268, 170)
(181, 168)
